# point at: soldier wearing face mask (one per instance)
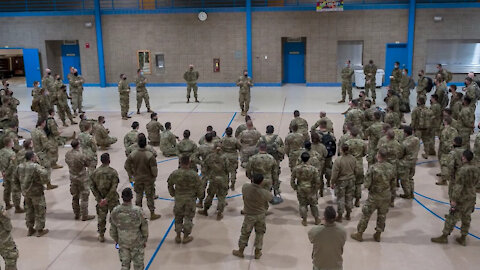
(142, 93)
(124, 92)
(245, 83)
(76, 92)
(396, 77)
(191, 77)
(48, 82)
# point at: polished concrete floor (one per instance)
(72, 244)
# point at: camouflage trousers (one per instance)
(371, 156)
(428, 140)
(77, 99)
(307, 197)
(35, 211)
(465, 134)
(168, 151)
(9, 190)
(102, 212)
(327, 170)
(347, 88)
(249, 223)
(45, 162)
(191, 86)
(344, 191)
(107, 142)
(141, 96)
(52, 152)
(371, 205)
(464, 214)
(244, 101)
(204, 180)
(64, 110)
(9, 253)
(444, 168)
(184, 211)
(406, 171)
(124, 105)
(129, 255)
(232, 167)
(370, 86)
(359, 180)
(422, 94)
(217, 187)
(246, 153)
(80, 191)
(293, 158)
(149, 189)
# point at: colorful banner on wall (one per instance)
(329, 5)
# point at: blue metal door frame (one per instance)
(70, 58)
(395, 52)
(294, 62)
(31, 62)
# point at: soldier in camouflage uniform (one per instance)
(370, 70)
(404, 89)
(191, 76)
(142, 93)
(79, 185)
(394, 152)
(407, 163)
(293, 146)
(55, 89)
(124, 93)
(466, 122)
(275, 147)
(89, 147)
(153, 128)
(346, 75)
(187, 148)
(209, 130)
(441, 91)
(102, 137)
(380, 182)
(369, 117)
(462, 200)
(8, 249)
(248, 139)
(76, 92)
(231, 147)
(131, 137)
(40, 146)
(129, 229)
(141, 165)
(456, 103)
(356, 116)
(32, 177)
(48, 81)
(301, 123)
(104, 182)
(53, 135)
(422, 85)
(8, 165)
(217, 167)
(199, 157)
(343, 182)
(185, 186)
(255, 207)
(322, 132)
(266, 165)
(135, 146)
(168, 141)
(345, 137)
(62, 105)
(305, 181)
(358, 149)
(421, 124)
(318, 147)
(446, 145)
(242, 127)
(437, 115)
(454, 162)
(323, 117)
(396, 77)
(245, 83)
(43, 104)
(374, 133)
(470, 91)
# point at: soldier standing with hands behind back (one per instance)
(347, 73)
(370, 71)
(124, 91)
(191, 77)
(245, 83)
(142, 93)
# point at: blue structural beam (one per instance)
(98, 29)
(249, 36)
(411, 35)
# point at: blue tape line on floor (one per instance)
(229, 123)
(159, 245)
(439, 217)
(172, 200)
(1, 180)
(130, 113)
(166, 160)
(24, 129)
(435, 200)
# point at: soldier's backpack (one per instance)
(429, 84)
(411, 83)
(330, 144)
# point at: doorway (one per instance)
(20, 66)
(349, 50)
(294, 50)
(396, 52)
(61, 55)
(70, 58)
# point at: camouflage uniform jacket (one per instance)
(305, 176)
(32, 178)
(128, 226)
(104, 182)
(77, 165)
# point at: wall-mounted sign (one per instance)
(329, 5)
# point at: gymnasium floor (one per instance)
(73, 244)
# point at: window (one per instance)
(160, 61)
(144, 62)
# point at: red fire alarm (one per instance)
(216, 64)
(87, 45)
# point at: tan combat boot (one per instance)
(357, 236)
(357, 202)
(200, 204)
(50, 186)
(304, 221)
(41, 233)
(154, 216)
(187, 239)
(178, 238)
(31, 231)
(19, 210)
(339, 219)
(203, 212)
(347, 216)
(56, 166)
(239, 252)
(376, 236)
(443, 239)
(219, 216)
(88, 217)
(101, 238)
(258, 253)
(461, 240)
(317, 221)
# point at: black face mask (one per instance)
(246, 75)
(124, 78)
(419, 75)
(75, 74)
(49, 73)
(8, 84)
(58, 79)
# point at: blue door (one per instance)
(294, 62)
(31, 62)
(70, 58)
(396, 52)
